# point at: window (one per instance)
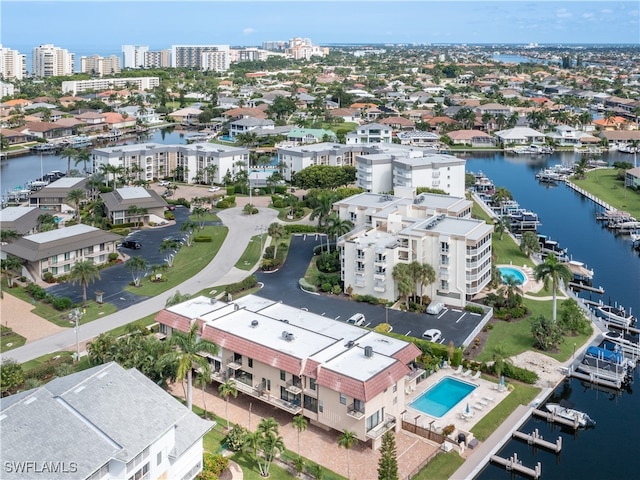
(283, 375)
(312, 383)
(375, 419)
(320, 406)
(67, 256)
(311, 403)
(140, 473)
(250, 362)
(343, 399)
(395, 387)
(159, 458)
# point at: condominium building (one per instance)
(51, 61)
(104, 423)
(97, 65)
(206, 162)
(370, 133)
(337, 375)
(73, 87)
(7, 89)
(297, 158)
(432, 229)
(204, 57)
(133, 55)
(13, 64)
(157, 59)
(250, 54)
(303, 49)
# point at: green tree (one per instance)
(68, 153)
(264, 444)
(422, 274)
(405, 283)
(300, 424)
(200, 214)
(137, 266)
(188, 347)
(321, 206)
(547, 334)
(572, 317)
(11, 376)
(388, 461)
(169, 248)
(76, 196)
(188, 227)
(281, 107)
(7, 235)
(83, 156)
(203, 377)
(347, 440)
(100, 349)
(529, 243)
(46, 222)
(337, 227)
(502, 225)
(552, 271)
(84, 273)
(226, 390)
(276, 231)
(177, 298)
(12, 267)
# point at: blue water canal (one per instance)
(609, 450)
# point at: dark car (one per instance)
(131, 244)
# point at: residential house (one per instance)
(520, 136)
(46, 130)
(432, 229)
(56, 251)
(118, 424)
(116, 121)
(118, 205)
(351, 115)
(14, 137)
(418, 138)
(303, 136)
(238, 113)
(370, 133)
(494, 109)
(620, 137)
(22, 220)
(337, 375)
(186, 115)
(398, 123)
(632, 178)
(147, 116)
(471, 138)
(565, 135)
(247, 124)
(53, 197)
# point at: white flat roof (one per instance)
(353, 363)
(61, 233)
(65, 182)
(10, 214)
(130, 193)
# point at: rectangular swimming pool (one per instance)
(442, 397)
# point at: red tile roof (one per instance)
(173, 320)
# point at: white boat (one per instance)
(616, 314)
(570, 414)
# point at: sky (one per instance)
(101, 27)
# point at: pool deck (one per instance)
(481, 401)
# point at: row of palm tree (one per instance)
(412, 276)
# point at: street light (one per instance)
(76, 315)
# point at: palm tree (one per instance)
(502, 224)
(188, 226)
(337, 227)
(84, 273)
(68, 153)
(83, 156)
(300, 424)
(423, 274)
(227, 389)
(8, 235)
(168, 248)
(202, 378)
(137, 266)
(75, 196)
(402, 275)
(11, 266)
(321, 209)
(188, 346)
(552, 270)
(347, 440)
(276, 231)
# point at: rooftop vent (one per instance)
(254, 323)
(368, 351)
(213, 301)
(350, 343)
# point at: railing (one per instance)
(293, 387)
(355, 412)
(423, 432)
(488, 316)
(414, 373)
(234, 364)
(377, 431)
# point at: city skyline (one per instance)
(160, 24)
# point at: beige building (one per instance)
(432, 229)
(337, 375)
(13, 64)
(149, 205)
(51, 61)
(97, 65)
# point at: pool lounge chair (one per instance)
(478, 406)
(467, 373)
(458, 371)
(488, 399)
(476, 375)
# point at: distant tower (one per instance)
(51, 61)
(133, 55)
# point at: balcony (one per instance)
(234, 364)
(355, 412)
(377, 431)
(413, 374)
(293, 387)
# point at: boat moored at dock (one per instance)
(616, 314)
(564, 410)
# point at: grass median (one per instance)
(252, 253)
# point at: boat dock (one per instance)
(536, 439)
(595, 379)
(552, 418)
(512, 464)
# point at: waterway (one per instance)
(608, 450)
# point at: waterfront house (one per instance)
(520, 136)
(46, 130)
(56, 251)
(337, 375)
(53, 197)
(632, 178)
(186, 115)
(302, 136)
(119, 202)
(22, 220)
(370, 133)
(14, 137)
(248, 124)
(471, 138)
(117, 424)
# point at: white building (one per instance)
(148, 161)
(51, 61)
(192, 56)
(370, 133)
(303, 49)
(6, 89)
(97, 65)
(13, 64)
(297, 158)
(73, 87)
(431, 229)
(133, 55)
(337, 375)
(103, 423)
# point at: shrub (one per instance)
(336, 290)
(268, 252)
(448, 430)
(36, 291)
(230, 198)
(169, 215)
(306, 285)
(121, 231)
(61, 303)
(47, 369)
(48, 277)
(326, 287)
(474, 309)
(223, 204)
(235, 438)
(517, 373)
(203, 238)
(328, 262)
(291, 229)
(213, 466)
(249, 282)
(113, 256)
(231, 190)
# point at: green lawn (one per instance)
(188, 262)
(36, 362)
(507, 252)
(251, 254)
(440, 467)
(604, 185)
(208, 217)
(10, 341)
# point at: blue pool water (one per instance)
(442, 397)
(514, 273)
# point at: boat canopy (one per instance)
(605, 354)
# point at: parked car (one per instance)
(214, 189)
(164, 183)
(357, 319)
(131, 244)
(432, 335)
(435, 308)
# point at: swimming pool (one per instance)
(442, 397)
(514, 273)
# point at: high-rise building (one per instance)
(274, 45)
(51, 61)
(13, 64)
(192, 56)
(303, 49)
(97, 65)
(158, 59)
(133, 55)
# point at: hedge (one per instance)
(295, 228)
(203, 238)
(517, 373)
(434, 349)
(231, 190)
(306, 285)
(249, 282)
(45, 370)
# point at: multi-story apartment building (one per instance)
(303, 49)
(297, 158)
(73, 87)
(56, 251)
(6, 89)
(431, 229)
(97, 65)
(204, 57)
(397, 166)
(275, 45)
(194, 162)
(157, 59)
(133, 55)
(339, 376)
(250, 54)
(51, 61)
(370, 133)
(13, 64)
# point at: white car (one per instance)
(164, 183)
(357, 319)
(214, 189)
(432, 335)
(435, 308)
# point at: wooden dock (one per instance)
(593, 378)
(550, 417)
(590, 196)
(514, 465)
(588, 288)
(536, 439)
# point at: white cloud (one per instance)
(588, 15)
(248, 31)
(563, 13)
(606, 11)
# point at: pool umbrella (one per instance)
(468, 410)
(502, 380)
